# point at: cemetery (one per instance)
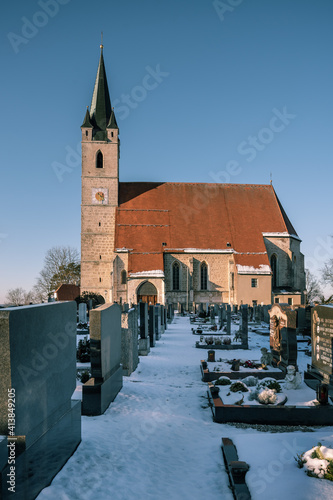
(264, 380)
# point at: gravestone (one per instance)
(170, 313)
(212, 315)
(207, 308)
(144, 340)
(105, 355)
(228, 319)
(158, 321)
(83, 312)
(38, 371)
(257, 314)
(220, 318)
(125, 307)
(216, 309)
(151, 326)
(244, 326)
(266, 314)
(321, 368)
(129, 342)
(162, 318)
(283, 340)
(165, 309)
(251, 314)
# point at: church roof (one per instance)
(154, 218)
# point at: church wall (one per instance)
(247, 294)
(290, 272)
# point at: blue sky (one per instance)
(224, 73)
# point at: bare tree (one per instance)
(327, 272)
(313, 289)
(61, 265)
(19, 297)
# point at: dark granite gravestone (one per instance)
(162, 318)
(228, 319)
(165, 309)
(244, 326)
(265, 310)
(38, 369)
(212, 315)
(170, 313)
(321, 369)
(151, 325)
(105, 355)
(216, 309)
(158, 321)
(144, 340)
(251, 314)
(283, 340)
(129, 342)
(220, 315)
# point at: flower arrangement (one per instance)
(317, 462)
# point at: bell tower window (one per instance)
(99, 160)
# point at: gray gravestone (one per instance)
(283, 340)
(105, 355)
(82, 312)
(165, 317)
(129, 342)
(244, 326)
(228, 319)
(220, 318)
(158, 321)
(38, 363)
(212, 315)
(151, 326)
(162, 318)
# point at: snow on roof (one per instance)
(263, 269)
(157, 273)
(281, 235)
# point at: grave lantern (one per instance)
(211, 355)
(322, 394)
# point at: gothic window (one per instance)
(175, 276)
(123, 277)
(274, 270)
(203, 276)
(99, 160)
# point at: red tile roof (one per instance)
(200, 216)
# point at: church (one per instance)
(180, 243)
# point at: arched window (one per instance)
(175, 276)
(274, 271)
(123, 277)
(203, 276)
(99, 160)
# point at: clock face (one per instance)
(99, 196)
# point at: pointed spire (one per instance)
(86, 122)
(100, 109)
(112, 122)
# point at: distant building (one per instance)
(178, 242)
(66, 292)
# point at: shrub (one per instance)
(238, 386)
(223, 381)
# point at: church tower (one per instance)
(100, 177)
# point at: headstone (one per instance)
(283, 340)
(321, 369)
(251, 313)
(151, 326)
(220, 318)
(125, 307)
(82, 312)
(244, 326)
(170, 313)
(216, 309)
(257, 314)
(38, 376)
(165, 317)
(162, 318)
(228, 319)
(158, 321)
(211, 355)
(105, 355)
(207, 308)
(266, 313)
(144, 340)
(212, 315)
(129, 342)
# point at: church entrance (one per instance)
(147, 292)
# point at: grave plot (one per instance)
(237, 402)
(222, 342)
(211, 371)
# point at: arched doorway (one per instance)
(147, 292)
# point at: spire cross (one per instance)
(101, 40)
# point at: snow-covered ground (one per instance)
(157, 440)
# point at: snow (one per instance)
(263, 269)
(281, 235)
(157, 440)
(157, 273)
